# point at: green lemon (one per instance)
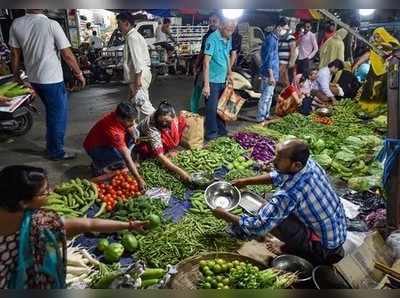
(208, 279)
(217, 268)
(226, 288)
(203, 263)
(209, 273)
(225, 268)
(220, 285)
(207, 285)
(226, 281)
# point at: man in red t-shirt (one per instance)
(110, 141)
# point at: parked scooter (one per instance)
(17, 119)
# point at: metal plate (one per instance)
(251, 202)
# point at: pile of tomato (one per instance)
(121, 187)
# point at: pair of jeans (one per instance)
(55, 100)
(264, 104)
(105, 156)
(215, 126)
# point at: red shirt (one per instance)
(108, 132)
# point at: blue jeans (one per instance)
(264, 104)
(215, 126)
(55, 100)
(106, 156)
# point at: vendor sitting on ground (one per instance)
(326, 93)
(160, 134)
(305, 213)
(32, 239)
(110, 142)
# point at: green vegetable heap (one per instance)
(220, 274)
(156, 176)
(194, 234)
(73, 198)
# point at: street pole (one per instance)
(393, 188)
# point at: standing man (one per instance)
(350, 43)
(305, 213)
(213, 24)
(216, 72)
(236, 46)
(96, 42)
(329, 32)
(136, 65)
(39, 40)
(270, 68)
(163, 34)
(308, 48)
(287, 57)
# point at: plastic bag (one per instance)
(229, 104)
(394, 242)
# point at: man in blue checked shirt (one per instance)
(305, 213)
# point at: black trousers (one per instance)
(303, 66)
(298, 242)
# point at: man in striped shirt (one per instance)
(287, 58)
(304, 212)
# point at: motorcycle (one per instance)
(17, 119)
(165, 60)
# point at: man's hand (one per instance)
(230, 78)
(206, 90)
(239, 183)
(220, 213)
(271, 81)
(186, 177)
(81, 78)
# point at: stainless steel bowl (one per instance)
(327, 278)
(294, 264)
(222, 194)
(324, 112)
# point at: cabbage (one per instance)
(324, 160)
(364, 183)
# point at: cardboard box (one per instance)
(358, 268)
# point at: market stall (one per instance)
(182, 225)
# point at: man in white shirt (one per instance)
(324, 93)
(39, 41)
(96, 42)
(136, 65)
(308, 48)
(163, 34)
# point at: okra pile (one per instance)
(73, 198)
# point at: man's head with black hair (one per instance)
(335, 66)
(307, 26)
(126, 114)
(166, 21)
(214, 21)
(291, 156)
(331, 26)
(126, 21)
(300, 27)
(282, 26)
(94, 33)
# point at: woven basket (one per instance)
(189, 275)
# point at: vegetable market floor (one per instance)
(86, 107)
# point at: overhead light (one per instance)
(232, 13)
(366, 12)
